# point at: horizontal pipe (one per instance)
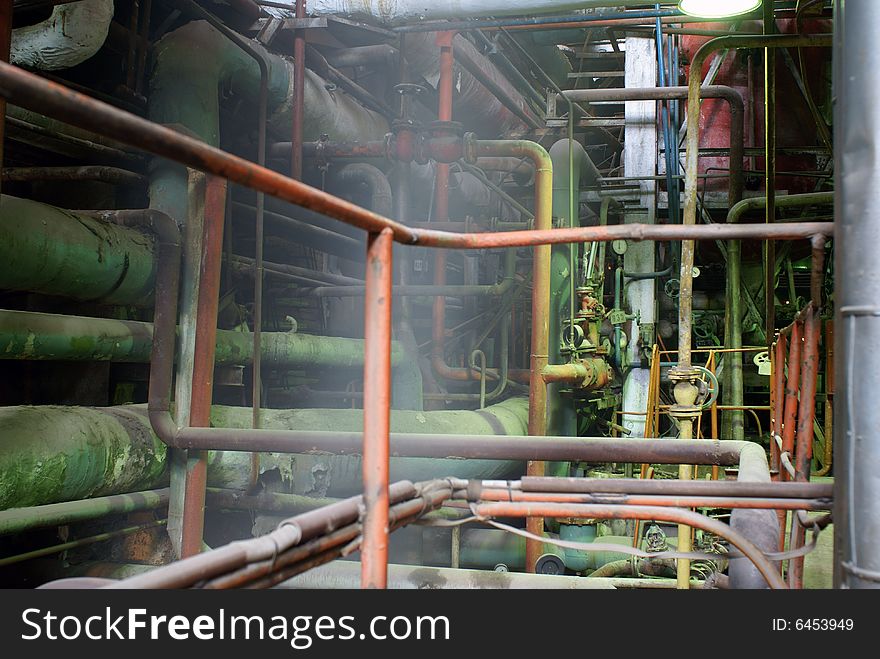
(19, 520)
(52, 454)
(461, 446)
(41, 336)
(590, 373)
(415, 290)
(677, 487)
(30, 91)
(662, 500)
(47, 250)
(104, 174)
(81, 542)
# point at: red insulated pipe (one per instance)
(778, 405)
(804, 446)
(807, 409)
(377, 408)
(203, 362)
(792, 384)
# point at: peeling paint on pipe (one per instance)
(42, 336)
(71, 35)
(398, 11)
(50, 454)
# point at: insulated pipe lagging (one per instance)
(759, 526)
(400, 11)
(71, 35)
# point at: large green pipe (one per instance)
(43, 336)
(571, 167)
(47, 250)
(53, 454)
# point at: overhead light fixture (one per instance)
(717, 8)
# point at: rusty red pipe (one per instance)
(377, 408)
(807, 409)
(203, 362)
(791, 392)
(441, 214)
(666, 501)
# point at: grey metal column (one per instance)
(857, 294)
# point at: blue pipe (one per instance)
(671, 169)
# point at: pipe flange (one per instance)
(444, 141)
(685, 411)
(683, 373)
(446, 129)
(403, 142)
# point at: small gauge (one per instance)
(619, 247)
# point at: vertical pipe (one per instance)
(257, 370)
(829, 399)
(441, 194)
(776, 426)
(130, 59)
(733, 360)
(807, 410)
(804, 451)
(143, 47)
(5, 45)
(203, 362)
(791, 392)
(299, 73)
(857, 295)
(770, 166)
(540, 340)
(377, 408)
(683, 566)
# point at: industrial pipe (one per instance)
(54, 454)
(72, 34)
(733, 297)
(415, 10)
(47, 250)
(20, 520)
(377, 409)
(729, 94)
(742, 542)
(695, 80)
(29, 90)
(572, 168)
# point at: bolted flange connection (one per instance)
(685, 392)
